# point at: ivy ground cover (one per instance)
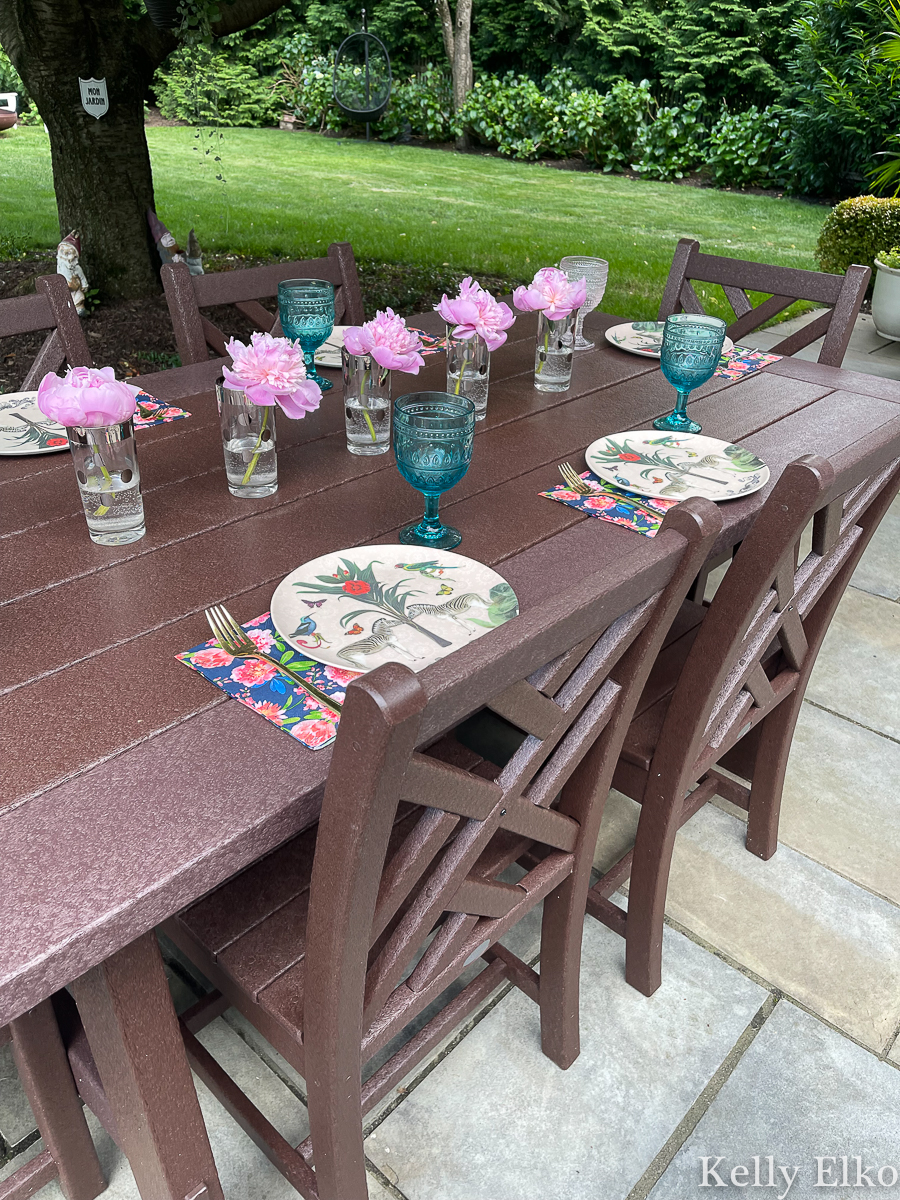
(290, 194)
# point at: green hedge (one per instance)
(856, 230)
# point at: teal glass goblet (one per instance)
(306, 310)
(691, 349)
(433, 435)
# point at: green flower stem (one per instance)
(364, 401)
(546, 352)
(257, 450)
(462, 368)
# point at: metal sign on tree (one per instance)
(94, 97)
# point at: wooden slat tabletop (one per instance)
(129, 784)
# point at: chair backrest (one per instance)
(186, 294)
(758, 642)
(52, 309)
(784, 285)
(387, 875)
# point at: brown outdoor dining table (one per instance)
(130, 786)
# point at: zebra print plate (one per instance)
(356, 609)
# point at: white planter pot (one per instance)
(886, 302)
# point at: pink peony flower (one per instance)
(389, 342)
(253, 672)
(261, 638)
(551, 293)
(87, 396)
(601, 502)
(271, 370)
(314, 733)
(261, 620)
(339, 675)
(564, 494)
(274, 712)
(475, 313)
(212, 658)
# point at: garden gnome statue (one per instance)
(165, 242)
(67, 264)
(194, 258)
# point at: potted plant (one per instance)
(886, 294)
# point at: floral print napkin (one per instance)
(154, 412)
(739, 361)
(643, 514)
(261, 687)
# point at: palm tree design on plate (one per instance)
(353, 582)
(34, 433)
(656, 460)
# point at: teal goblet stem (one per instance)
(678, 420)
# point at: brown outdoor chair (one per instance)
(186, 294)
(783, 285)
(333, 943)
(728, 687)
(52, 309)
(68, 1154)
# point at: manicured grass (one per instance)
(287, 193)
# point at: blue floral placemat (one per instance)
(643, 514)
(261, 687)
(740, 361)
(153, 412)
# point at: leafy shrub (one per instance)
(673, 143)
(890, 258)
(856, 230)
(421, 105)
(750, 149)
(846, 104)
(513, 114)
(205, 87)
(304, 86)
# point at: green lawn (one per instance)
(287, 193)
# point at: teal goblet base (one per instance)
(677, 422)
(420, 533)
(309, 358)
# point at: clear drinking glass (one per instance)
(367, 404)
(553, 353)
(469, 370)
(433, 435)
(306, 311)
(691, 349)
(106, 467)
(248, 439)
(595, 272)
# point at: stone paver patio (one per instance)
(772, 1043)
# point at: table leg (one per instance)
(134, 1036)
(44, 1071)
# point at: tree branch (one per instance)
(443, 7)
(241, 14)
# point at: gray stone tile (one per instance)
(820, 938)
(16, 1120)
(801, 1091)
(496, 1119)
(858, 670)
(840, 800)
(879, 568)
(894, 1055)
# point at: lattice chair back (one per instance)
(843, 294)
(50, 309)
(407, 885)
(758, 642)
(187, 294)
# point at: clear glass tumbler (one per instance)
(367, 404)
(553, 353)
(106, 467)
(469, 370)
(595, 272)
(248, 439)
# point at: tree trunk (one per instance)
(463, 76)
(101, 167)
(443, 7)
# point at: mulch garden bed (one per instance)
(135, 336)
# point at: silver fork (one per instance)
(573, 480)
(235, 640)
